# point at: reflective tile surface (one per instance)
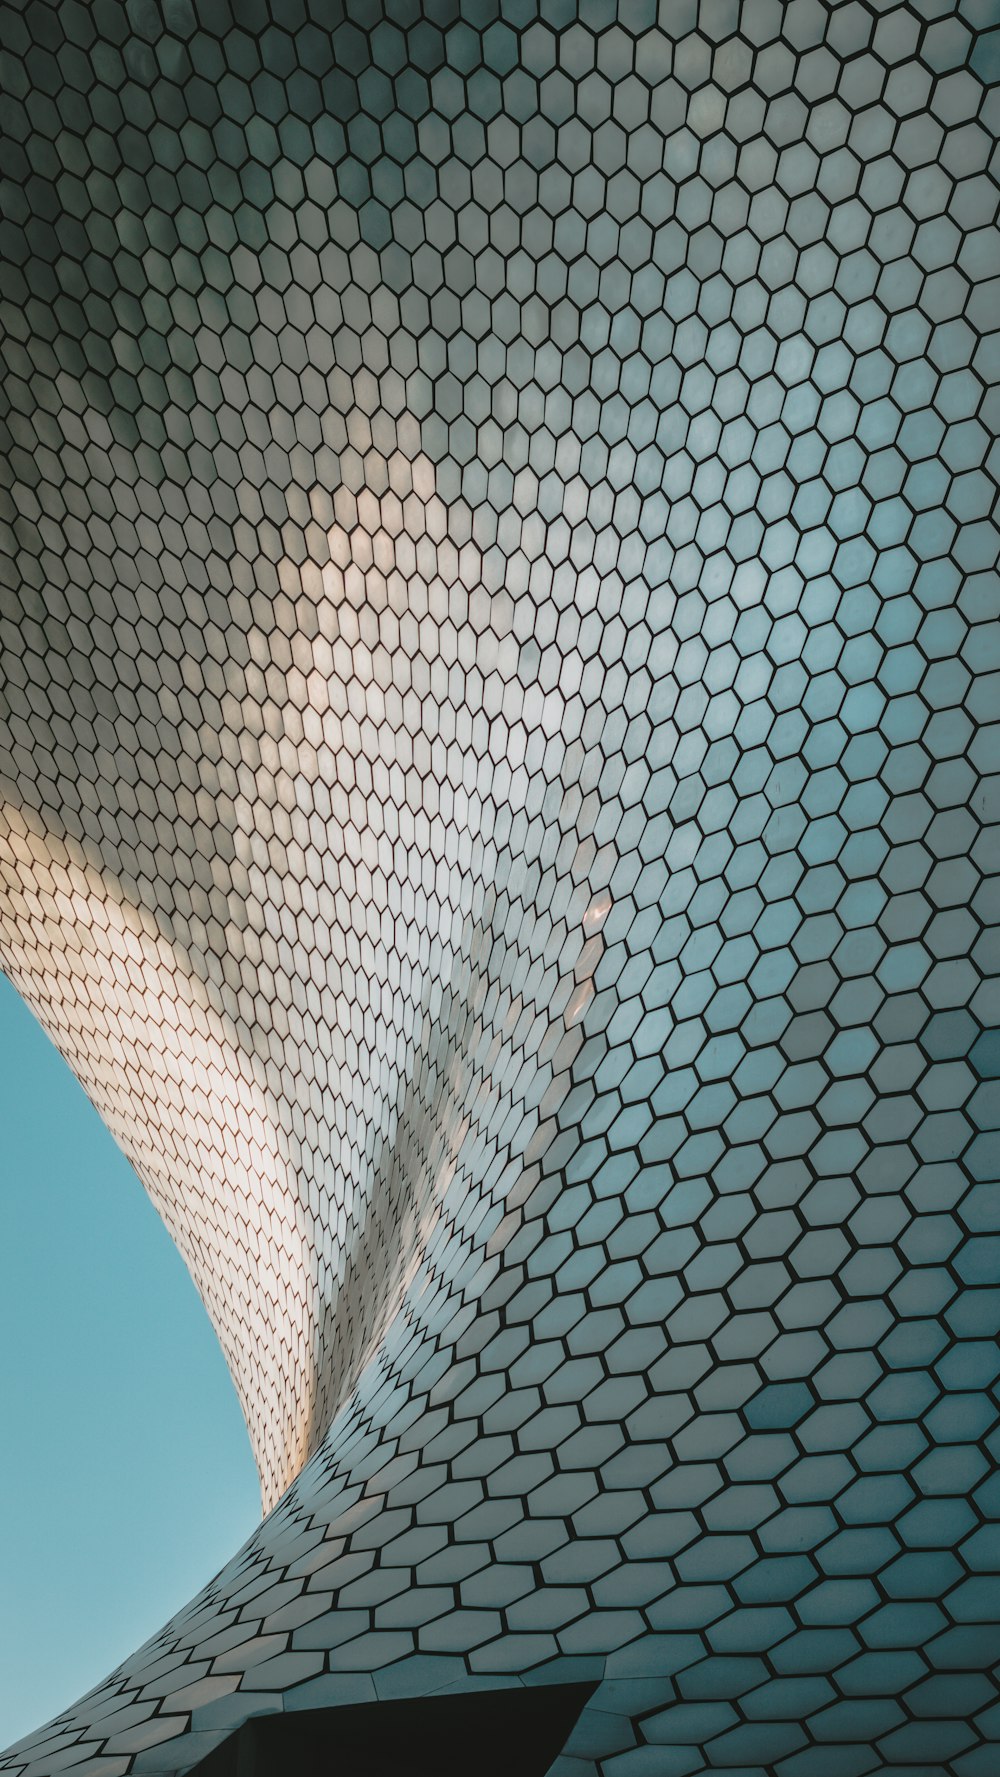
(497, 756)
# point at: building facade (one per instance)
(497, 762)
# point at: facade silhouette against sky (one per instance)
(499, 633)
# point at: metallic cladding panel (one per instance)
(497, 756)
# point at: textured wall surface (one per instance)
(500, 637)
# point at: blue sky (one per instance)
(126, 1478)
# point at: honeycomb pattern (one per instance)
(498, 750)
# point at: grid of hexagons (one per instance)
(498, 753)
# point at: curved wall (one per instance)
(498, 628)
